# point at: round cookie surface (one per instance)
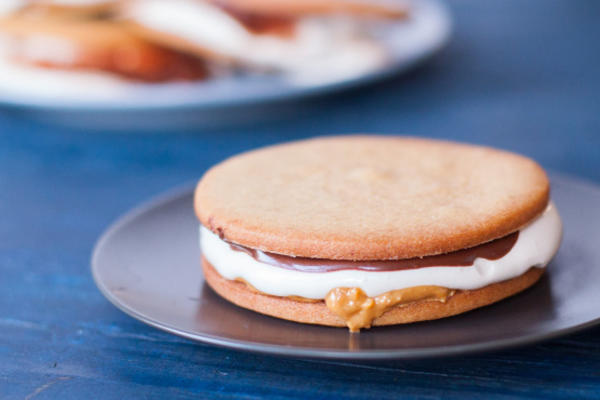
(370, 197)
(318, 313)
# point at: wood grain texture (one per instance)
(59, 188)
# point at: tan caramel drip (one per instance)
(359, 310)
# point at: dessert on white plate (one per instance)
(140, 53)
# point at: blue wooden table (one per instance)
(521, 75)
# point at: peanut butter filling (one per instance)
(359, 310)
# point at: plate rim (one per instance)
(186, 189)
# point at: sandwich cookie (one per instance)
(366, 230)
(308, 41)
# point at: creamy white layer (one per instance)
(320, 49)
(536, 245)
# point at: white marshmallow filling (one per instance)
(536, 245)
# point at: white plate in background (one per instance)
(105, 102)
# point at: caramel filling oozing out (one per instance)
(359, 310)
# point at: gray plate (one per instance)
(147, 264)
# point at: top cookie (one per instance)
(370, 197)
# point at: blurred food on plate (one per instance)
(190, 40)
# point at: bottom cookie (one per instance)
(317, 312)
